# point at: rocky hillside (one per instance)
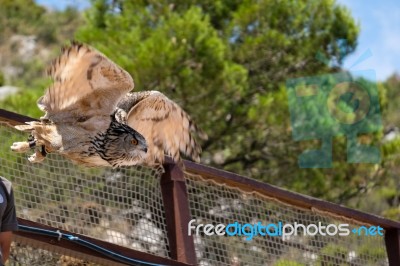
(30, 36)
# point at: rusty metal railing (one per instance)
(177, 208)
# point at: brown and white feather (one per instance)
(166, 127)
(85, 82)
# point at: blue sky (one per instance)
(62, 4)
(380, 32)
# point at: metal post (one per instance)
(392, 241)
(177, 214)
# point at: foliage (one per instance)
(20, 20)
(334, 255)
(2, 81)
(24, 102)
(226, 63)
(371, 255)
(388, 194)
(283, 262)
(25, 17)
(20, 16)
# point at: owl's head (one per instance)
(120, 145)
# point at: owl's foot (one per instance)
(37, 157)
(25, 145)
(20, 146)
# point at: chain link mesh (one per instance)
(214, 203)
(29, 252)
(122, 206)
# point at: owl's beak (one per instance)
(145, 149)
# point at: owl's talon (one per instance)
(20, 146)
(37, 157)
(43, 151)
(31, 138)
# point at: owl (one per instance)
(93, 119)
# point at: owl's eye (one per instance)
(134, 142)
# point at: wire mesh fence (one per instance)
(122, 206)
(214, 203)
(29, 252)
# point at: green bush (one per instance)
(2, 79)
(284, 262)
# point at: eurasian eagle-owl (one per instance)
(92, 119)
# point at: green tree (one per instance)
(20, 16)
(2, 81)
(226, 63)
(386, 199)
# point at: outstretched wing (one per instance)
(165, 126)
(85, 82)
